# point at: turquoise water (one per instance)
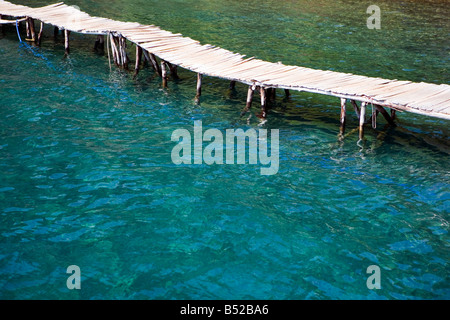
(86, 176)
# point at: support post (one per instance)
(374, 117)
(138, 60)
(232, 85)
(117, 49)
(362, 119)
(287, 93)
(251, 90)
(355, 106)
(164, 73)
(55, 32)
(273, 94)
(108, 40)
(199, 85)
(156, 65)
(269, 93)
(99, 45)
(393, 114)
(147, 58)
(31, 31)
(123, 52)
(343, 116)
(40, 34)
(113, 51)
(27, 26)
(120, 49)
(173, 70)
(385, 114)
(125, 55)
(152, 59)
(262, 91)
(66, 41)
(101, 39)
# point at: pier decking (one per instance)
(176, 50)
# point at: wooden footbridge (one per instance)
(176, 50)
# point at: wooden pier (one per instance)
(175, 50)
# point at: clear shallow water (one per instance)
(87, 179)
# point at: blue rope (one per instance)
(35, 53)
(17, 28)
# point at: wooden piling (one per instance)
(117, 49)
(386, 115)
(118, 56)
(66, 41)
(173, 70)
(31, 31)
(374, 117)
(28, 31)
(232, 85)
(199, 85)
(273, 94)
(55, 32)
(123, 46)
(101, 39)
(343, 116)
(150, 57)
(138, 60)
(114, 50)
(123, 52)
(99, 45)
(251, 90)
(40, 34)
(120, 52)
(362, 119)
(156, 64)
(262, 91)
(356, 108)
(269, 93)
(164, 73)
(393, 114)
(107, 49)
(96, 44)
(147, 58)
(287, 93)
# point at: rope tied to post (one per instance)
(17, 28)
